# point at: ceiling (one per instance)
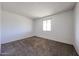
(36, 10)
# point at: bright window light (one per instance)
(46, 25)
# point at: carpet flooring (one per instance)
(36, 46)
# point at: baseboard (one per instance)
(53, 40)
(38, 37)
(16, 40)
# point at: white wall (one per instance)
(76, 41)
(62, 28)
(0, 27)
(15, 27)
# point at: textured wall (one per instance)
(76, 41)
(15, 27)
(62, 28)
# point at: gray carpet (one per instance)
(36, 46)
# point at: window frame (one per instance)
(50, 23)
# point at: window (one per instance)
(46, 25)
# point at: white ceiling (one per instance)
(37, 9)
